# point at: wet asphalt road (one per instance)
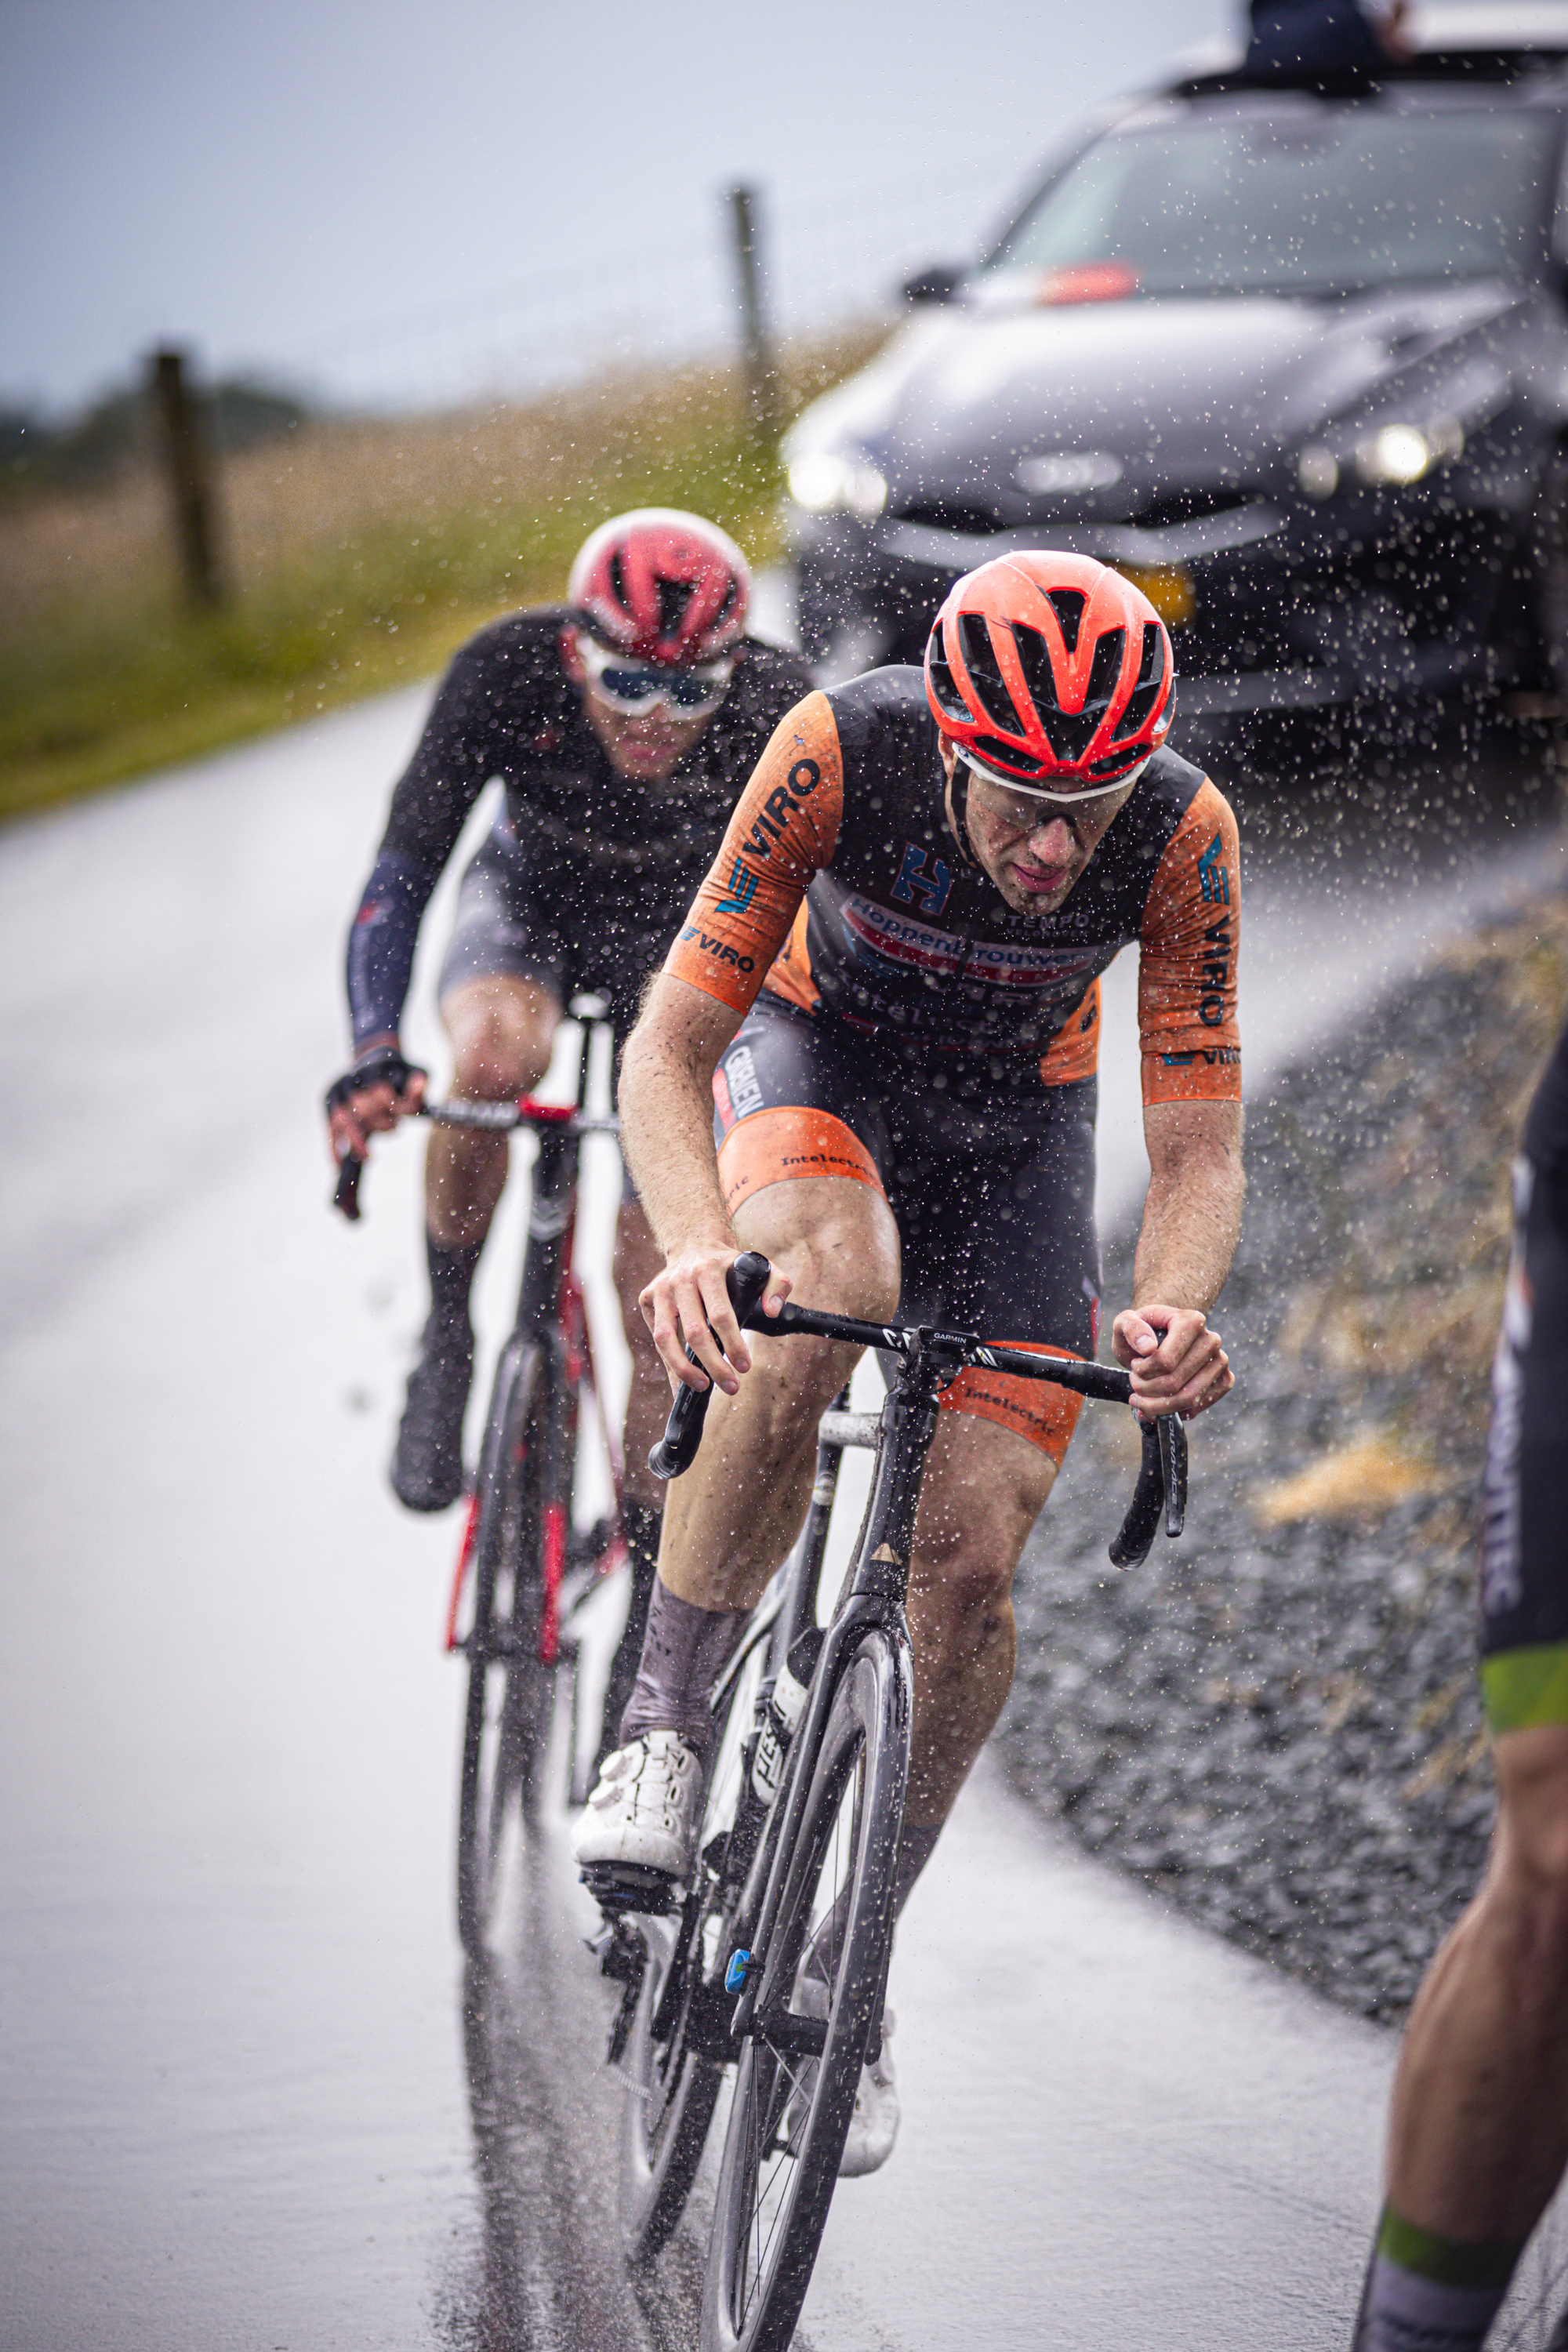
(248, 2097)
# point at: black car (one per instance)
(1294, 358)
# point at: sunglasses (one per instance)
(631, 687)
(1021, 805)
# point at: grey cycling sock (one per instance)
(684, 1650)
(1426, 2293)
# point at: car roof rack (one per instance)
(1455, 42)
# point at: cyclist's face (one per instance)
(645, 745)
(1033, 850)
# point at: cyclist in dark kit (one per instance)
(1479, 2140)
(623, 724)
(870, 1056)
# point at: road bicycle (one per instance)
(774, 1964)
(527, 1563)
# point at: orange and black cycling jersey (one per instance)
(839, 888)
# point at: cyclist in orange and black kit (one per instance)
(1479, 2133)
(622, 725)
(888, 991)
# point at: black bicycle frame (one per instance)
(876, 1587)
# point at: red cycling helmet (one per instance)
(1042, 666)
(661, 586)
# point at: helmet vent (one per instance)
(674, 595)
(618, 582)
(1151, 677)
(1039, 671)
(943, 684)
(1071, 731)
(1067, 604)
(986, 675)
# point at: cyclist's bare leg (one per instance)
(638, 1259)
(1480, 2130)
(502, 1029)
(733, 1518)
(985, 1487)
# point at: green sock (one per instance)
(1426, 2293)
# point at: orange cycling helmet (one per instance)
(661, 586)
(1042, 666)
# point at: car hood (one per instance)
(1207, 391)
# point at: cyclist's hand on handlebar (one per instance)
(380, 1089)
(1176, 1362)
(687, 1305)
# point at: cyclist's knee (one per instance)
(1530, 1860)
(501, 1033)
(971, 1586)
(834, 1238)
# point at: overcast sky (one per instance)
(258, 179)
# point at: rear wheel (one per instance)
(505, 1724)
(672, 2083)
(818, 2004)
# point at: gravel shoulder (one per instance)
(1274, 1721)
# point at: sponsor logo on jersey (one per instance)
(742, 890)
(745, 1091)
(932, 889)
(1214, 877)
(1213, 1057)
(722, 1102)
(1217, 944)
(898, 937)
(803, 780)
(693, 935)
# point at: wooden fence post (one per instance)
(761, 386)
(190, 482)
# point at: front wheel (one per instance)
(819, 2001)
(506, 1723)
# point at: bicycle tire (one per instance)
(507, 1717)
(672, 2088)
(791, 2114)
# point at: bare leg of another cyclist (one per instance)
(1479, 2137)
(501, 1028)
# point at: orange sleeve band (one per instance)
(783, 829)
(1188, 947)
(1036, 1409)
(772, 1146)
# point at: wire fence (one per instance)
(822, 263)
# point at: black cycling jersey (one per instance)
(507, 709)
(1524, 1549)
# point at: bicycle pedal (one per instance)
(620, 1887)
(621, 2025)
(620, 1952)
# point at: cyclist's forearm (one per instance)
(381, 940)
(665, 1097)
(1192, 1212)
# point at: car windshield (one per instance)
(1231, 198)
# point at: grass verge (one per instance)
(362, 555)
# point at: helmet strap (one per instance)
(957, 800)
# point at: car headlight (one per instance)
(1392, 456)
(826, 481)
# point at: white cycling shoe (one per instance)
(643, 1815)
(873, 2125)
